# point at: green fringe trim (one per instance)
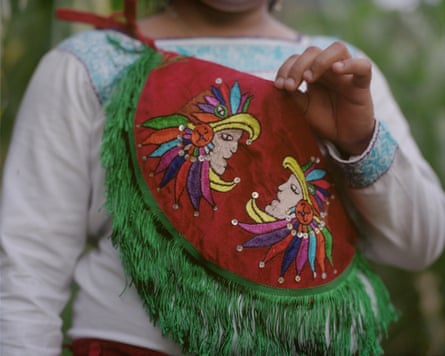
(200, 310)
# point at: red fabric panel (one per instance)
(183, 87)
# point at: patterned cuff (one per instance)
(362, 171)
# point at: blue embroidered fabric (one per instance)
(105, 62)
(107, 53)
(375, 162)
(251, 55)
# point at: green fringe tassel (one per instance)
(203, 312)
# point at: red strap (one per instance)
(125, 22)
(130, 13)
(100, 22)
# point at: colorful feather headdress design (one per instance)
(184, 263)
(193, 147)
(294, 227)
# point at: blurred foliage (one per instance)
(408, 46)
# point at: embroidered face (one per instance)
(289, 194)
(293, 225)
(225, 145)
(193, 147)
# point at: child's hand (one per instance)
(337, 103)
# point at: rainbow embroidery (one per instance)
(293, 225)
(193, 147)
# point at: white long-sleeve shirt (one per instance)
(53, 193)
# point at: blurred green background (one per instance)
(407, 43)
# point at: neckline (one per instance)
(221, 40)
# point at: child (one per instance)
(228, 235)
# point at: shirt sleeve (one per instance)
(399, 199)
(44, 204)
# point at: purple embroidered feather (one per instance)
(206, 108)
(217, 93)
(193, 184)
(211, 100)
(301, 258)
(290, 254)
(166, 159)
(267, 239)
(172, 170)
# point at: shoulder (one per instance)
(104, 54)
